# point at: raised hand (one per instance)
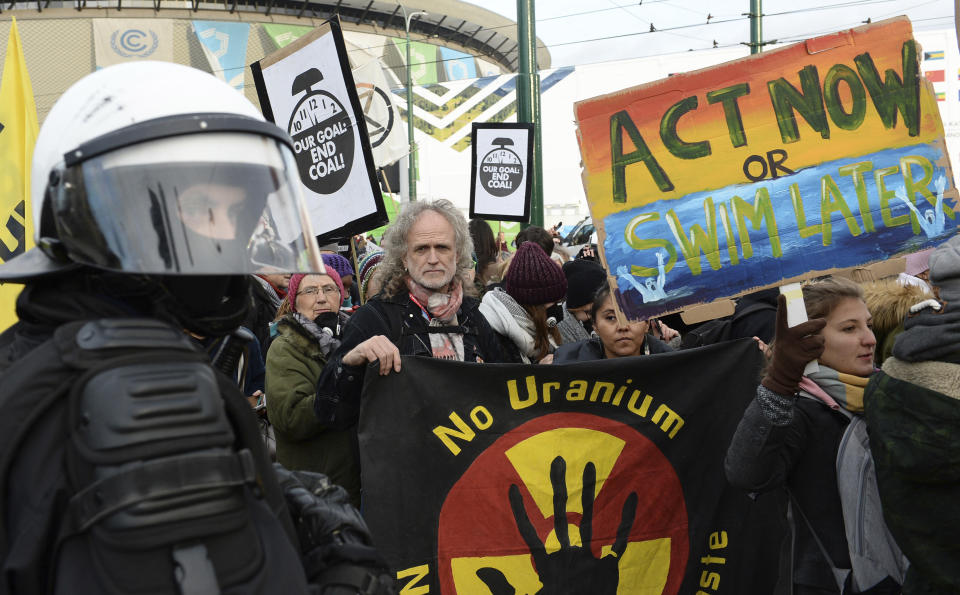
(793, 347)
(573, 569)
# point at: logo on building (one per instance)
(134, 43)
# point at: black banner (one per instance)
(470, 469)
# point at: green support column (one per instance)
(756, 27)
(528, 100)
(411, 143)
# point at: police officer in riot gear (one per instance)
(126, 463)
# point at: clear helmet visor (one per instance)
(213, 203)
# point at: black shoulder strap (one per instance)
(840, 575)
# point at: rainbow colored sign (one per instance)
(825, 154)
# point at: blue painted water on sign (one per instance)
(724, 242)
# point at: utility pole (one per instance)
(528, 100)
(756, 27)
(412, 155)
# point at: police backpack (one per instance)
(129, 466)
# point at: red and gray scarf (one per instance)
(440, 309)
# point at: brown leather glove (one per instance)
(793, 348)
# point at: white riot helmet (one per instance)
(161, 169)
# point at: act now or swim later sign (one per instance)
(825, 154)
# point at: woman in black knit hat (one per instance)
(525, 312)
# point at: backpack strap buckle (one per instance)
(193, 571)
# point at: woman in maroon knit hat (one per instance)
(525, 312)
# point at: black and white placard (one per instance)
(500, 172)
(307, 88)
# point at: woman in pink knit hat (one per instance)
(526, 311)
(308, 331)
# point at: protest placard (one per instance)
(465, 490)
(777, 167)
(500, 180)
(307, 88)
(387, 138)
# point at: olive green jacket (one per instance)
(913, 412)
(294, 363)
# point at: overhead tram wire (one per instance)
(636, 17)
(798, 37)
(848, 4)
(805, 36)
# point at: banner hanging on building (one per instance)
(600, 477)
(283, 35)
(458, 65)
(307, 89)
(18, 134)
(388, 137)
(825, 154)
(125, 40)
(225, 47)
(500, 179)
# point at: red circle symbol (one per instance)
(481, 546)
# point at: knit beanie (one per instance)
(339, 263)
(533, 278)
(945, 272)
(295, 280)
(368, 265)
(370, 260)
(584, 277)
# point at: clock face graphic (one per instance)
(323, 136)
(501, 171)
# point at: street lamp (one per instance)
(412, 156)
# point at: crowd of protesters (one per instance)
(440, 287)
(888, 356)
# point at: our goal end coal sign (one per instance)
(501, 178)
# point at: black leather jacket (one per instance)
(399, 319)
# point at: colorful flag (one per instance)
(941, 96)
(423, 60)
(18, 133)
(388, 137)
(458, 65)
(935, 76)
(284, 35)
(126, 40)
(933, 55)
(225, 46)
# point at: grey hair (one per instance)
(392, 271)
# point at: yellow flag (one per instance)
(18, 133)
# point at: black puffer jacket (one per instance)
(792, 442)
(592, 349)
(399, 319)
